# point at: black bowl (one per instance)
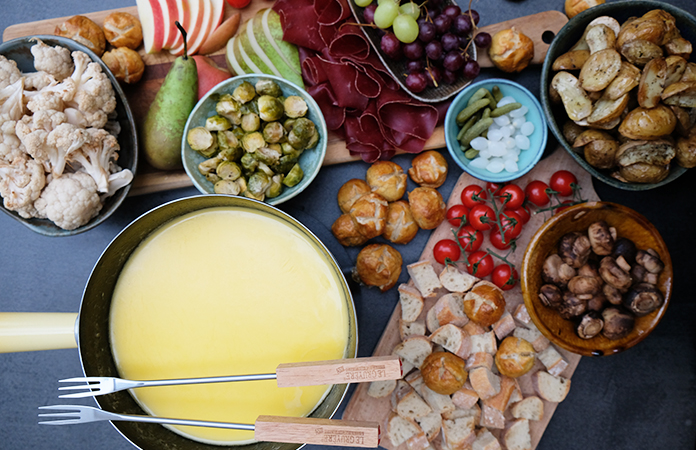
(568, 36)
(19, 51)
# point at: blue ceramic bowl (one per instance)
(310, 160)
(19, 50)
(527, 159)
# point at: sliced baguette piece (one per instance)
(533, 336)
(500, 400)
(418, 441)
(552, 360)
(530, 408)
(424, 278)
(459, 433)
(411, 302)
(415, 380)
(491, 417)
(522, 315)
(400, 429)
(412, 406)
(431, 321)
(485, 343)
(515, 397)
(473, 328)
(453, 339)
(517, 436)
(504, 326)
(455, 280)
(381, 388)
(484, 382)
(430, 424)
(402, 388)
(485, 441)
(449, 309)
(439, 403)
(465, 398)
(414, 349)
(474, 411)
(549, 387)
(479, 359)
(407, 329)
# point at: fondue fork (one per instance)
(339, 371)
(297, 430)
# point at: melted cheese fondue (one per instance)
(225, 292)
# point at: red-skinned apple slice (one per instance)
(218, 13)
(196, 16)
(184, 13)
(150, 14)
(169, 16)
(198, 36)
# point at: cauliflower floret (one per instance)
(12, 101)
(21, 183)
(69, 201)
(10, 145)
(94, 94)
(37, 80)
(95, 156)
(53, 60)
(53, 96)
(118, 179)
(46, 137)
(9, 73)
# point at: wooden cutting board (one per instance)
(363, 407)
(143, 93)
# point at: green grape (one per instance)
(411, 9)
(405, 28)
(385, 14)
(363, 3)
(379, 2)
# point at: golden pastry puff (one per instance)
(123, 30)
(484, 303)
(444, 372)
(350, 192)
(510, 50)
(126, 64)
(347, 232)
(427, 206)
(575, 7)
(400, 227)
(82, 30)
(370, 214)
(515, 357)
(387, 179)
(429, 169)
(379, 265)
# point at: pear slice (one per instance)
(284, 55)
(232, 61)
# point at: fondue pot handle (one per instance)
(24, 332)
(304, 430)
(339, 371)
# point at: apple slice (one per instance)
(199, 35)
(218, 11)
(152, 24)
(169, 16)
(183, 16)
(196, 13)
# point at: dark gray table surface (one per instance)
(644, 398)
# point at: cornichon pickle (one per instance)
(476, 130)
(497, 94)
(470, 110)
(497, 112)
(294, 176)
(478, 95)
(469, 123)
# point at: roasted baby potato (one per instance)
(599, 148)
(686, 150)
(572, 60)
(676, 65)
(575, 100)
(606, 110)
(640, 51)
(656, 153)
(643, 173)
(599, 70)
(600, 37)
(627, 78)
(680, 94)
(648, 124)
(679, 47)
(652, 82)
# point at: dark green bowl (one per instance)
(568, 36)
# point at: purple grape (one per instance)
(427, 32)
(414, 50)
(449, 42)
(433, 75)
(391, 46)
(448, 77)
(474, 15)
(462, 25)
(415, 66)
(463, 41)
(416, 82)
(453, 61)
(471, 69)
(482, 40)
(434, 50)
(369, 13)
(452, 11)
(442, 23)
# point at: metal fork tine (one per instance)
(78, 379)
(65, 414)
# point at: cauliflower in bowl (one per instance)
(58, 137)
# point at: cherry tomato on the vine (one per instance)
(511, 196)
(470, 238)
(536, 192)
(497, 240)
(494, 187)
(471, 190)
(504, 276)
(480, 264)
(562, 182)
(522, 211)
(446, 248)
(512, 225)
(239, 4)
(482, 217)
(455, 214)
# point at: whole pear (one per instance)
(168, 113)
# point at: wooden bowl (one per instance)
(628, 224)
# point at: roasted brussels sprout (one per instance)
(229, 187)
(267, 155)
(268, 87)
(276, 186)
(253, 141)
(217, 123)
(273, 132)
(295, 107)
(244, 93)
(294, 176)
(258, 182)
(250, 122)
(226, 105)
(228, 170)
(200, 139)
(270, 108)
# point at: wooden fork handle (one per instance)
(340, 371)
(305, 430)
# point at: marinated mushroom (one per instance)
(650, 260)
(585, 287)
(617, 323)
(574, 249)
(555, 271)
(550, 295)
(614, 275)
(597, 302)
(571, 306)
(600, 238)
(643, 298)
(612, 294)
(626, 248)
(590, 325)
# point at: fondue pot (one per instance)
(91, 329)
